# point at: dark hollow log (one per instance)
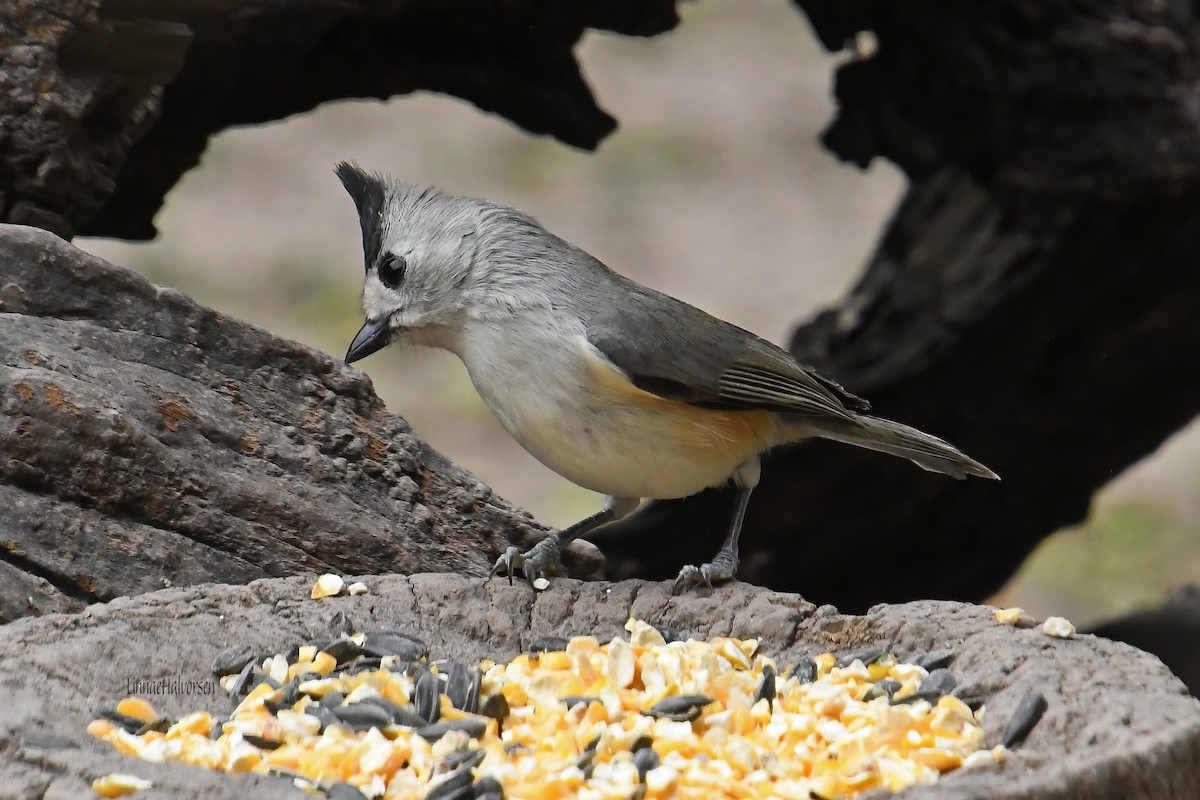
(1033, 300)
(104, 105)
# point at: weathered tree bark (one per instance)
(104, 104)
(1118, 724)
(1033, 300)
(147, 441)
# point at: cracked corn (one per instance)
(578, 722)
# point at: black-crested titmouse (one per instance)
(617, 387)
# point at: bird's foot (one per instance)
(721, 569)
(543, 560)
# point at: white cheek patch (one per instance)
(378, 302)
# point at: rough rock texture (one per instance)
(1119, 725)
(147, 441)
(1171, 632)
(1033, 300)
(104, 104)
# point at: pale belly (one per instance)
(627, 451)
(584, 420)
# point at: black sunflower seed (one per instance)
(1027, 714)
(274, 706)
(361, 664)
(462, 687)
(867, 655)
(398, 714)
(805, 671)
(680, 708)
(934, 659)
(645, 760)
(343, 650)
(257, 676)
(361, 716)
(126, 723)
(464, 757)
(573, 700)
(874, 693)
(290, 691)
(395, 643)
(324, 715)
(232, 661)
(241, 684)
(456, 786)
(547, 644)
(766, 689)
(426, 696)
(158, 725)
(496, 707)
(473, 728)
(488, 788)
(260, 742)
(938, 683)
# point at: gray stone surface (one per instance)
(1119, 725)
(147, 441)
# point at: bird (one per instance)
(617, 387)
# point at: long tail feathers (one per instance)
(927, 452)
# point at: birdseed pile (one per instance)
(369, 715)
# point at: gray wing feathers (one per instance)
(679, 352)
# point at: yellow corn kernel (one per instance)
(555, 660)
(327, 585)
(101, 728)
(198, 722)
(941, 760)
(824, 663)
(1058, 627)
(119, 784)
(1010, 616)
(137, 708)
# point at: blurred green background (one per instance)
(713, 189)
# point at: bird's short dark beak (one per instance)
(372, 336)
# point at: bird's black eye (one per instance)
(391, 270)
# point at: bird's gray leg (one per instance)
(545, 558)
(724, 565)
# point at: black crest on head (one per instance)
(367, 191)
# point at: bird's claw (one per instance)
(542, 560)
(720, 570)
(506, 563)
